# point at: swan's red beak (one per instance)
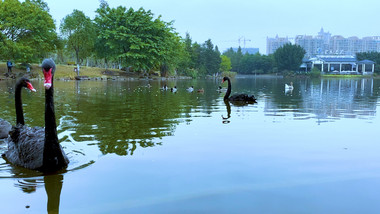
(30, 86)
(48, 76)
(222, 81)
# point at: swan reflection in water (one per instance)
(53, 186)
(228, 107)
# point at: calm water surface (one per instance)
(135, 149)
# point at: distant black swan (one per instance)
(5, 126)
(237, 97)
(38, 148)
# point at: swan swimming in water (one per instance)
(289, 87)
(237, 97)
(5, 126)
(38, 148)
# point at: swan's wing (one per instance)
(26, 149)
(5, 127)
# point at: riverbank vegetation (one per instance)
(127, 40)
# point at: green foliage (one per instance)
(225, 65)
(289, 57)
(205, 58)
(374, 56)
(235, 57)
(250, 63)
(79, 31)
(210, 58)
(191, 73)
(228, 74)
(27, 30)
(136, 38)
(315, 73)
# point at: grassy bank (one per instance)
(63, 72)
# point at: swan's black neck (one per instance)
(53, 159)
(50, 123)
(18, 104)
(227, 95)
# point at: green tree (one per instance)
(79, 31)
(225, 64)
(136, 38)
(289, 57)
(210, 58)
(27, 30)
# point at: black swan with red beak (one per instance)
(5, 126)
(38, 148)
(244, 98)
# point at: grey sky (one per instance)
(224, 22)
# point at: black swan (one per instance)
(5, 126)
(237, 97)
(38, 148)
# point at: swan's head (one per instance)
(48, 68)
(26, 83)
(225, 79)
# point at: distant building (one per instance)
(339, 64)
(247, 50)
(324, 43)
(274, 43)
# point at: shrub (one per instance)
(228, 74)
(315, 72)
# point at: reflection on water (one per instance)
(175, 137)
(228, 107)
(121, 117)
(53, 186)
(327, 100)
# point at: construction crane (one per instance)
(242, 38)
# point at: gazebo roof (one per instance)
(338, 59)
(366, 61)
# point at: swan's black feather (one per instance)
(5, 127)
(25, 146)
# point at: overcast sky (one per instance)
(225, 21)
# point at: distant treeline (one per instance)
(124, 38)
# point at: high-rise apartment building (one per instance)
(324, 43)
(274, 43)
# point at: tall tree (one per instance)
(210, 58)
(136, 37)
(27, 30)
(79, 31)
(289, 57)
(225, 64)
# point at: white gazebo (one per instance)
(342, 64)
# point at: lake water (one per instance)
(135, 149)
